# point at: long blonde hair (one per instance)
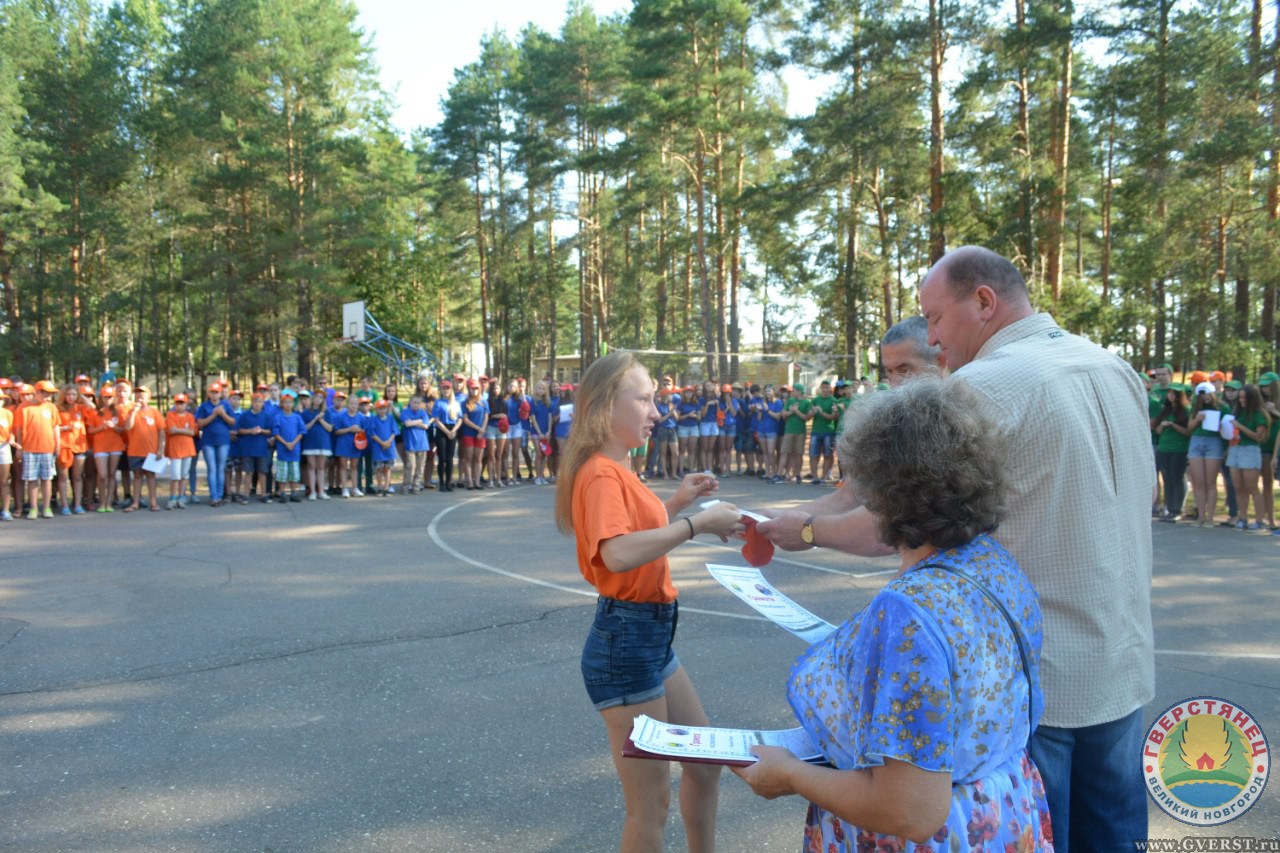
(592, 426)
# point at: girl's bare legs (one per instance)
(646, 785)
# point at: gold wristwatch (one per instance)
(806, 532)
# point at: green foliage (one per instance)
(195, 189)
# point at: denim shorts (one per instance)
(687, 431)
(1245, 457)
(628, 656)
(666, 435)
(708, 428)
(1206, 447)
(822, 444)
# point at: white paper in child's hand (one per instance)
(746, 512)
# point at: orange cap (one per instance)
(46, 386)
(26, 389)
(107, 391)
(179, 398)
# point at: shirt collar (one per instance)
(1016, 331)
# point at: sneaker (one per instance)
(169, 504)
(1257, 525)
(195, 499)
(1240, 525)
(5, 515)
(312, 497)
(391, 490)
(355, 493)
(324, 496)
(346, 493)
(66, 510)
(48, 513)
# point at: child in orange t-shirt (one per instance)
(145, 430)
(623, 532)
(74, 444)
(36, 433)
(108, 445)
(6, 456)
(180, 448)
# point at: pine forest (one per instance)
(193, 188)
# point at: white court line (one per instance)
(434, 533)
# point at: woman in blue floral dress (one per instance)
(922, 702)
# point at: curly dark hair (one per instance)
(927, 462)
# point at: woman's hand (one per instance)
(770, 777)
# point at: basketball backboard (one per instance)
(353, 321)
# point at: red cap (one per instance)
(5, 382)
(364, 400)
(339, 395)
(472, 383)
(261, 386)
(107, 391)
(381, 404)
(215, 385)
(784, 387)
(123, 381)
(81, 379)
(235, 392)
(87, 390)
(179, 398)
(1217, 376)
(726, 388)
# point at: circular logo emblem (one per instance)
(1205, 761)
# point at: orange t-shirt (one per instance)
(38, 424)
(179, 446)
(609, 500)
(109, 440)
(73, 430)
(6, 425)
(144, 437)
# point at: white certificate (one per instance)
(155, 464)
(713, 745)
(1212, 418)
(749, 585)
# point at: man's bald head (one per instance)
(967, 297)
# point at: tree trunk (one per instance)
(937, 133)
(1061, 147)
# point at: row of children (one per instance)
(290, 442)
(751, 430)
(1212, 425)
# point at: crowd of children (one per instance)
(74, 449)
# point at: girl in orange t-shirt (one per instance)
(108, 446)
(623, 533)
(179, 448)
(72, 447)
(6, 456)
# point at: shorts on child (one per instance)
(667, 435)
(6, 454)
(516, 432)
(288, 472)
(317, 453)
(1244, 457)
(793, 442)
(491, 433)
(1206, 447)
(135, 463)
(255, 464)
(687, 431)
(36, 466)
(628, 656)
(180, 468)
(379, 465)
(706, 428)
(744, 442)
(822, 444)
(473, 441)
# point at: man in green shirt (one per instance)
(825, 414)
(798, 409)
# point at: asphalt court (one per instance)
(401, 674)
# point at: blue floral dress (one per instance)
(929, 673)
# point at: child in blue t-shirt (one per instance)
(347, 424)
(288, 430)
(253, 428)
(382, 430)
(415, 421)
(317, 444)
